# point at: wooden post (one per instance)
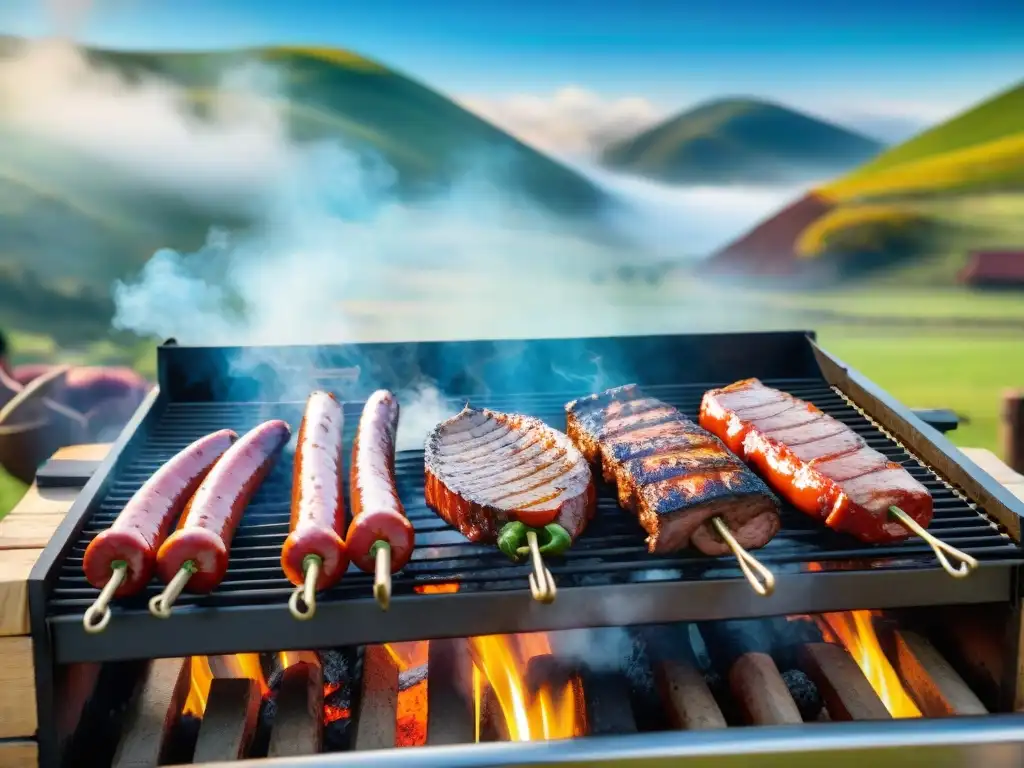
(1012, 427)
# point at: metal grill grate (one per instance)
(610, 554)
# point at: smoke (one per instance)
(423, 408)
(335, 253)
(144, 131)
(67, 16)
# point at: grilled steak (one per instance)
(672, 474)
(820, 465)
(486, 468)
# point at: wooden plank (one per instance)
(935, 687)
(42, 501)
(19, 754)
(25, 531)
(229, 720)
(998, 469)
(378, 703)
(299, 719)
(83, 452)
(17, 688)
(847, 693)
(15, 566)
(152, 714)
(28, 530)
(687, 698)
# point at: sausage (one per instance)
(318, 505)
(206, 528)
(377, 512)
(141, 527)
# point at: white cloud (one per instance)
(144, 130)
(890, 121)
(571, 121)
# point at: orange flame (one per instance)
(411, 706)
(856, 632)
(501, 660)
(438, 588)
(201, 676)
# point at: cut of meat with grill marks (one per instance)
(672, 474)
(485, 469)
(816, 462)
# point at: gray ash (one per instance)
(805, 693)
(336, 666)
(410, 677)
(638, 668)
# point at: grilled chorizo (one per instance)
(143, 524)
(318, 506)
(377, 511)
(204, 534)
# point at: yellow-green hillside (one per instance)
(914, 213)
(981, 149)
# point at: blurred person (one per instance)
(46, 407)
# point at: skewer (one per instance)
(382, 574)
(939, 547)
(97, 616)
(160, 606)
(542, 584)
(748, 563)
(302, 603)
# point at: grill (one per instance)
(606, 579)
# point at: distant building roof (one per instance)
(994, 268)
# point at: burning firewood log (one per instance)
(742, 650)
(378, 702)
(451, 718)
(153, 714)
(229, 721)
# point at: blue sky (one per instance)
(915, 52)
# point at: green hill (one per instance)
(70, 224)
(740, 141)
(914, 213)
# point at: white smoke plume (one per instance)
(67, 16)
(571, 121)
(335, 255)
